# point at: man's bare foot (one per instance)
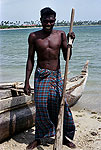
(68, 143)
(33, 145)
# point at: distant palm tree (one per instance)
(11, 23)
(2, 23)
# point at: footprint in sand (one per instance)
(99, 119)
(94, 117)
(93, 112)
(93, 133)
(80, 115)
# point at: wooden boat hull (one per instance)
(16, 114)
(75, 86)
(16, 120)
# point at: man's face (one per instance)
(48, 22)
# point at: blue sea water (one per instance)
(87, 46)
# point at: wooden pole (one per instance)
(59, 130)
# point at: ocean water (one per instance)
(87, 46)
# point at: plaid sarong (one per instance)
(48, 86)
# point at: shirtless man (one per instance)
(47, 43)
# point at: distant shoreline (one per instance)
(41, 27)
(19, 28)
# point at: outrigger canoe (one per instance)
(17, 110)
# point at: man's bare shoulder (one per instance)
(58, 32)
(61, 34)
(33, 35)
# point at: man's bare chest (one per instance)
(53, 42)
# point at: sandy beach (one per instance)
(87, 136)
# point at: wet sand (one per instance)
(87, 136)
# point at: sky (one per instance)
(27, 10)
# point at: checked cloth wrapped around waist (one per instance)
(48, 86)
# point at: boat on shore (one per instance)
(17, 110)
(75, 86)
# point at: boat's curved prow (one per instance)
(85, 68)
(75, 86)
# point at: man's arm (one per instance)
(64, 44)
(30, 63)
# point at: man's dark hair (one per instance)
(47, 11)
